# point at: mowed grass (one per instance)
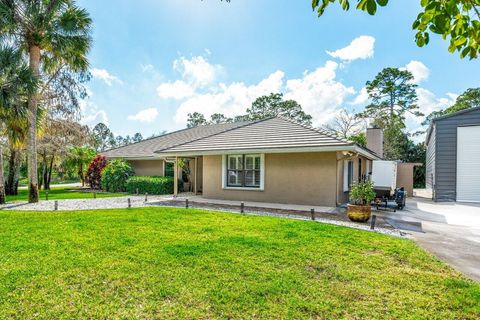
(163, 263)
(60, 193)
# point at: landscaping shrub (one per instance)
(94, 172)
(150, 185)
(114, 176)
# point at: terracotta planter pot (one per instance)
(359, 213)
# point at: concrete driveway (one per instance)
(450, 231)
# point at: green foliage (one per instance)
(416, 153)
(469, 99)
(78, 159)
(362, 193)
(263, 107)
(360, 139)
(150, 185)
(196, 119)
(456, 20)
(103, 137)
(169, 169)
(274, 105)
(392, 94)
(115, 175)
(172, 263)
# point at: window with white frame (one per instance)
(244, 170)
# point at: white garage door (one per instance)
(468, 164)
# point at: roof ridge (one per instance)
(246, 124)
(317, 130)
(445, 116)
(163, 135)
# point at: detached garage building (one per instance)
(453, 157)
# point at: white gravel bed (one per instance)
(81, 204)
(139, 201)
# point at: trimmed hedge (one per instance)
(150, 185)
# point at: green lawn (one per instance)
(59, 193)
(157, 263)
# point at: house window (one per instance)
(347, 175)
(244, 171)
(360, 177)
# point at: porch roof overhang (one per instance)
(195, 153)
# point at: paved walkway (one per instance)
(451, 231)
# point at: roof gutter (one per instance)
(353, 147)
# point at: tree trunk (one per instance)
(43, 173)
(34, 52)
(81, 175)
(2, 178)
(48, 176)
(14, 164)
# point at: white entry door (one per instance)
(468, 164)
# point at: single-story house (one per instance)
(270, 160)
(453, 150)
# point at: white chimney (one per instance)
(375, 140)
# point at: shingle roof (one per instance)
(271, 133)
(146, 148)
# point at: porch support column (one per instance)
(195, 177)
(175, 178)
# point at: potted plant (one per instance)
(361, 195)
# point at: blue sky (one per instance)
(155, 61)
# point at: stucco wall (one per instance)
(295, 178)
(405, 177)
(147, 167)
(342, 196)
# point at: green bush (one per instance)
(115, 175)
(150, 185)
(362, 193)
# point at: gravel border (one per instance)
(166, 201)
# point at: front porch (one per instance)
(189, 171)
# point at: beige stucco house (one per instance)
(271, 160)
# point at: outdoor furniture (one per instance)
(397, 201)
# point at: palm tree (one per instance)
(79, 158)
(54, 34)
(16, 83)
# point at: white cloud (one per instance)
(94, 117)
(90, 114)
(104, 75)
(428, 102)
(175, 90)
(147, 115)
(197, 70)
(419, 71)
(362, 97)
(318, 92)
(147, 67)
(231, 100)
(361, 47)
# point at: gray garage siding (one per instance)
(430, 161)
(446, 152)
